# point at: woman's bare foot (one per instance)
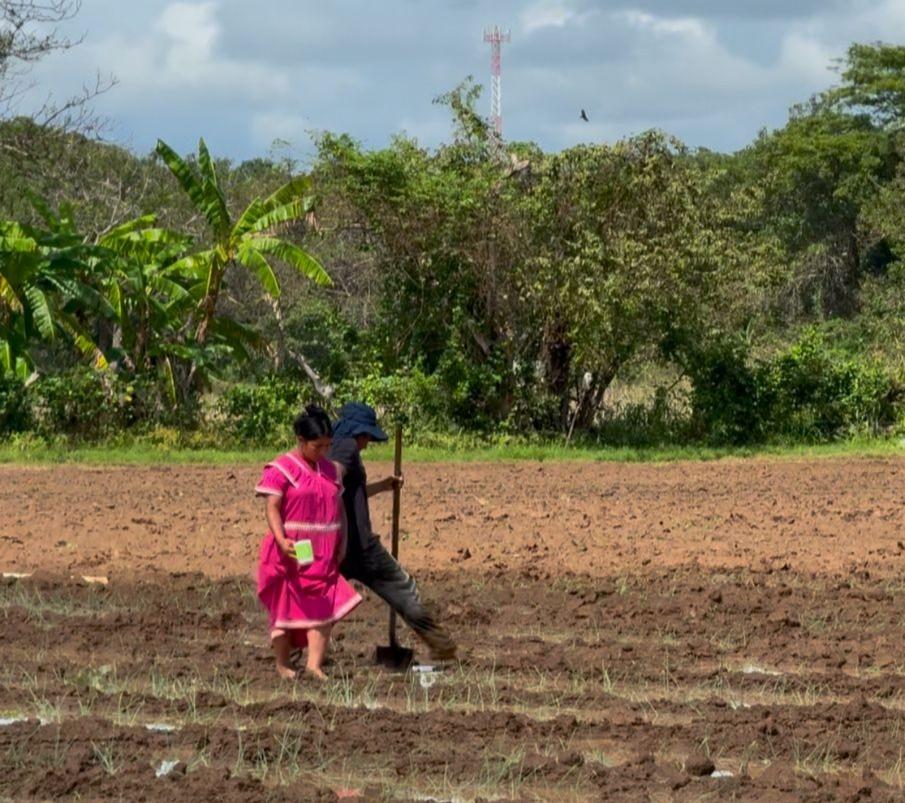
(316, 673)
(286, 672)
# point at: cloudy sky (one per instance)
(242, 74)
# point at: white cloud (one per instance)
(179, 54)
(805, 58)
(546, 15)
(889, 18)
(685, 27)
(673, 73)
(710, 71)
(192, 32)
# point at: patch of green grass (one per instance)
(107, 757)
(814, 760)
(895, 775)
(41, 604)
(466, 450)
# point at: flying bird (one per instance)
(584, 116)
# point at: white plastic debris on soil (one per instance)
(753, 669)
(5, 722)
(160, 727)
(721, 774)
(165, 768)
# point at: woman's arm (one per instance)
(275, 523)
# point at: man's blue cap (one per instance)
(358, 418)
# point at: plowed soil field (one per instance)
(731, 630)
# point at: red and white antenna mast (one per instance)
(496, 37)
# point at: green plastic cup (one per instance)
(304, 552)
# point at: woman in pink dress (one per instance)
(298, 573)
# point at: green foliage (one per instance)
(624, 249)
(725, 400)
(811, 392)
(873, 80)
(818, 392)
(263, 412)
(82, 404)
(319, 330)
(15, 411)
(409, 397)
(44, 290)
(660, 422)
(481, 287)
(813, 178)
(576, 266)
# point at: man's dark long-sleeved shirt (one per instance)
(345, 451)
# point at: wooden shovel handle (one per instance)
(397, 491)
(397, 503)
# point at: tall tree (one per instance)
(814, 176)
(624, 250)
(873, 82)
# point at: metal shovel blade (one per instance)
(394, 657)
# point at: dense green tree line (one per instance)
(481, 285)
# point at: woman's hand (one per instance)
(286, 547)
(273, 514)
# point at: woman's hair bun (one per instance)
(312, 424)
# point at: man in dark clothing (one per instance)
(366, 558)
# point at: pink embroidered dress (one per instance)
(297, 596)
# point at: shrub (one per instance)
(818, 392)
(410, 397)
(810, 391)
(263, 412)
(82, 403)
(15, 411)
(725, 397)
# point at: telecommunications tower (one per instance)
(496, 37)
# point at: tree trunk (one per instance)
(558, 359)
(209, 303)
(324, 390)
(592, 401)
(842, 279)
(279, 357)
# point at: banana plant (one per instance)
(43, 293)
(251, 240)
(152, 291)
(149, 302)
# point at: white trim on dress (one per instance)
(310, 527)
(303, 465)
(280, 626)
(263, 490)
(284, 472)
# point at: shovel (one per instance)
(394, 656)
